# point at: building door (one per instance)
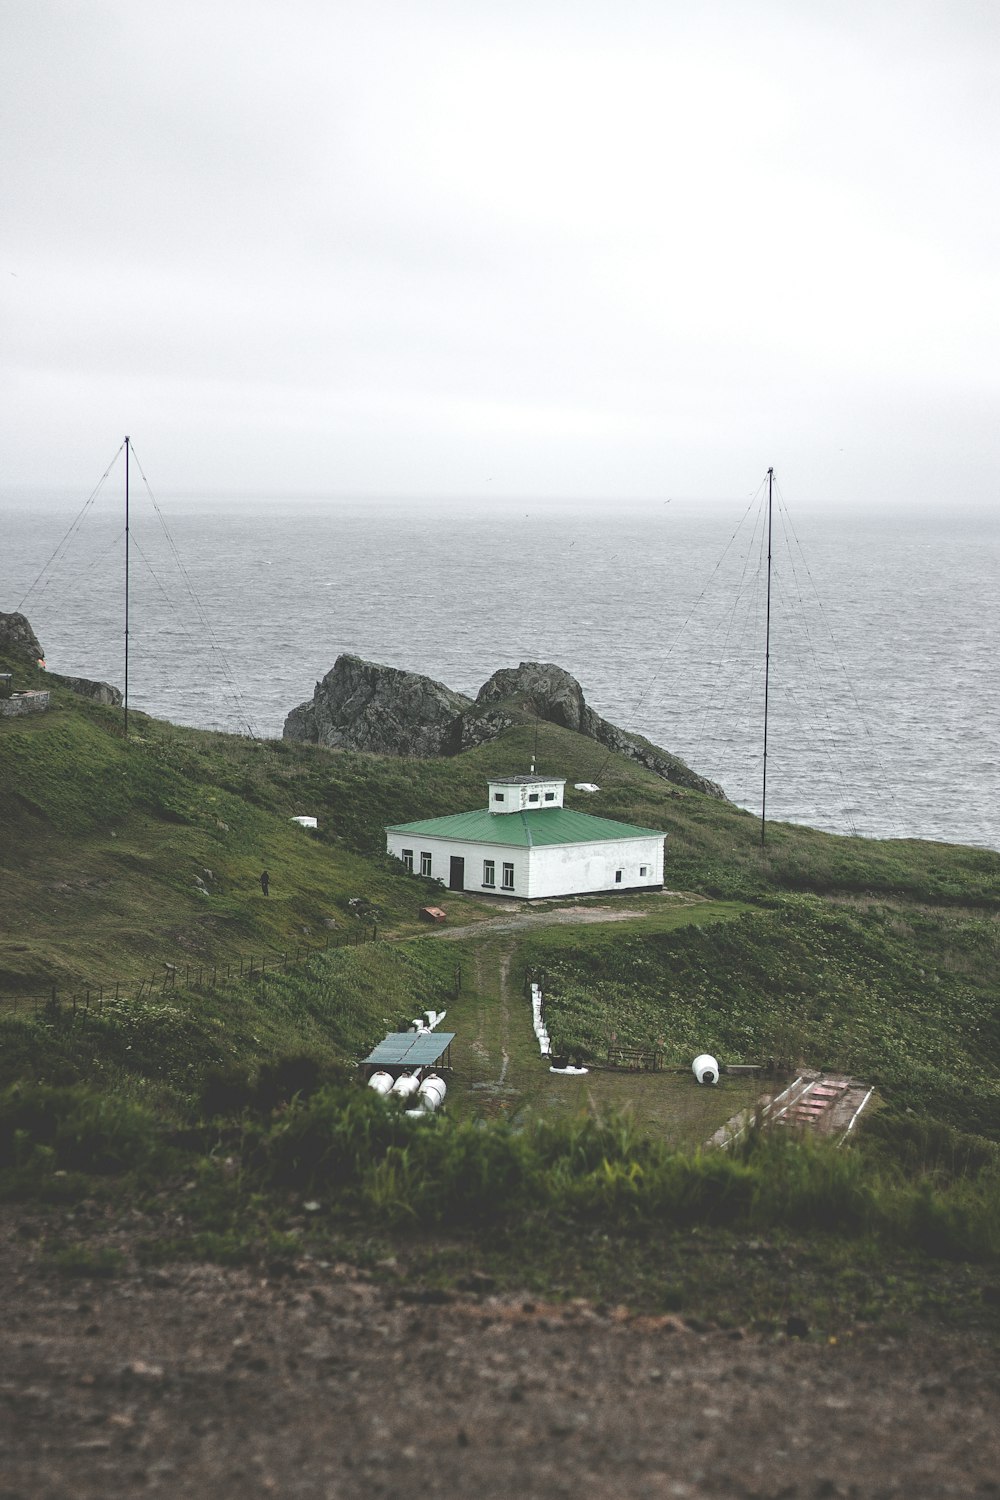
(456, 874)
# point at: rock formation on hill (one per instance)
(17, 639)
(19, 643)
(100, 692)
(360, 705)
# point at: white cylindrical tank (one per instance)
(432, 1091)
(381, 1083)
(705, 1068)
(406, 1084)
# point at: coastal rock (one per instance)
(18, 640)
(360, 705)
(20, 643)
(544, 691)
(541, 689)
(100, 692)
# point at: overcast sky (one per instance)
(534, 248)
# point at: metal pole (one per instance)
(126, 581)
(767, 659)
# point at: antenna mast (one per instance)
(767, 657)
(126, 582)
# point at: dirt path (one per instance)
(506, 958)
(491, 1020)
(196, 1381)
(514, 921)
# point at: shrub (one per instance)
(75, 1130)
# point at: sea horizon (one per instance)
(883, 698)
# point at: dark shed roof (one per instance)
(410, 1049)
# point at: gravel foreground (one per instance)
(196, 1380)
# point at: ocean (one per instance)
(883, 693)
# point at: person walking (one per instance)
(265, 882)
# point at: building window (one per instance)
(425, 862)
(618, 876)
(489, 872)
(508, 877)
(407, 858)
(532, 796)
(498, 796)
(550, 796)
(643, 869)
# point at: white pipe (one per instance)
(765, 1114)
(777, 1100)
(855, 1115)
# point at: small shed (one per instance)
(408, 1051)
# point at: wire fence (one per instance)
(93, 997)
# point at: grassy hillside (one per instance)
(226, 1103)
(904, 1000)
(878, 957)
(104, 845)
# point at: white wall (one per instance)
(441, 851)
(575, 869)
(517, 795)
(552, 870)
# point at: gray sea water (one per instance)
(883, 693)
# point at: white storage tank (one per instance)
(705, 1068)
(432, 1091)
(406, 1084)
(381, 1082)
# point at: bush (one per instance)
(226, 1090)
(75, 1130)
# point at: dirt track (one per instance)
(514, 919)
(202, 1382)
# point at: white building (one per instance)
(526, 843)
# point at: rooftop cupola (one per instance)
(511, 794)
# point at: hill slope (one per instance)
(118, 860)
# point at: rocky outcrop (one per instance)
(541, 690)
(18, 641)
(100, 692)
(360, 705)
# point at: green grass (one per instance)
(104, 843)
(878, 958)
(886, 967)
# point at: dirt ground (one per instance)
(197, 1381)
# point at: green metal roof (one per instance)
(411, 1049)
(525, 830)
